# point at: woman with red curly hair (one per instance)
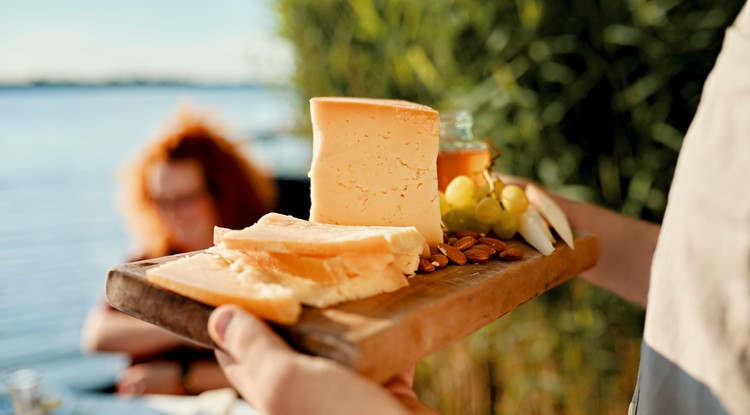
(190, 176)
(186, 182)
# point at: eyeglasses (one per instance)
(179, 202)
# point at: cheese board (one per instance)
(382, 335)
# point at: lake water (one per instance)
(60, 230)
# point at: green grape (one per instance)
(488, 211)
(444, 205)
(460, 192)
(478, 226)
(457, 220)
(498, 187)
(514, 199)
(506, 226)
(480, 192)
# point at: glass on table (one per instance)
(25, 388)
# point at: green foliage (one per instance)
(558, 356)
(590, 98)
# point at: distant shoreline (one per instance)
(137, 83)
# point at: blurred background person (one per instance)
(187, 181)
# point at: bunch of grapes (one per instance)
(467, 206)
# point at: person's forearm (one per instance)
(627, 248)
(203, 375)
(112, 331)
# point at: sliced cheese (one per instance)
(219, 233)
(408, 264)
(223, 276)
(325, 270)
(207, 278)
(375, 163)
(333, 269)
(365, 283)
(285, 234)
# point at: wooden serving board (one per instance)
(383, 335)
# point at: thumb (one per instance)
(250, 354)
(242, 335)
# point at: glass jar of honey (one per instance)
(460, 152)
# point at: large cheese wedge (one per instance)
(375, 163)
(207, 278)
(285, 234)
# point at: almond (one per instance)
(477, 255)
(425, 265)
(485, 248)
(496, 244)
(464, 243)
(511, 254)
(451, 240)
(439, 260)
(453, 254)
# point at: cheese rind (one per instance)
(375, 163)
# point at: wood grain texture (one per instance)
(382, 335)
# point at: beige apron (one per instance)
(696, 351)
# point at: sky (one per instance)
(216, 41)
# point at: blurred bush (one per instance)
(590, 98)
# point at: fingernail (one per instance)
(221, 322)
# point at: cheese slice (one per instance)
(285, 234)
(375, 163)
(222, 276)
(314, 291)
(330, 270)
(367, 284)
(207, 278)
(319, 268)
